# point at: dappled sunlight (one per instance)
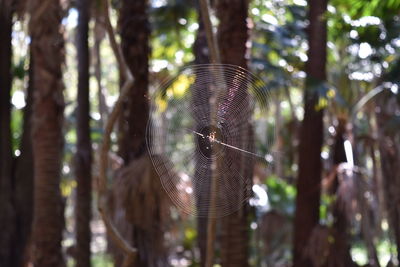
(199, 133)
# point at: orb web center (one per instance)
(210, 141)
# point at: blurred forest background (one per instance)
(332, 199)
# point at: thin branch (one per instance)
(98, 32)
(212, 43)
(119, 241)
(114, 45)
(102, 182)
(366, 98)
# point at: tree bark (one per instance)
(7, 214)
(200, 50)
(389, 149)
(233, 32)
(83, 157)
(233, 35)
(135, 32)
(48, 105)
(311, 137)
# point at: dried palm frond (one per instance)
(347, 192)
(357, 200)
(318, 245)
(138, 190)
(275, 229)
(141, 209)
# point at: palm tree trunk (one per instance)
(135, 32)
(48, 105)
(233, 34)
(311, 137)
(83, 157)
(389, 149)
(7, 215)
(200, 50)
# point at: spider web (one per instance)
(182, 142)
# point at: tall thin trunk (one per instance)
(341, 247)
(200, 50)
(99, 34)
(7, 214)
(378, 183)
(48, 105)
(233, 35)
(279, 138)
(233, 31)
(311, 137)
(83, 157)
(389, 149)
(135, 32)
(24, 179)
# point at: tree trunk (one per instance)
(99, 34)
(233, 34)
(135, 32)
(200, 50)
(7, 214)
(83, 157)
(48, 106)
(311, 137)
(279, 163)
(389, 149)
(24, 179)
